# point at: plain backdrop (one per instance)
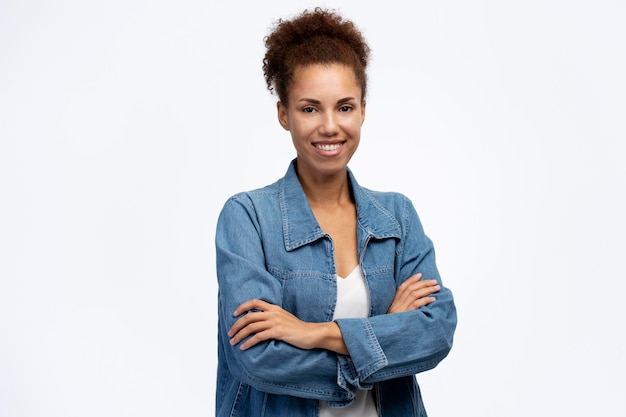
(125, 125)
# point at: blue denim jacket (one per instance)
(269, 246)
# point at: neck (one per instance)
(327, 190)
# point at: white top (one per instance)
(353, 301)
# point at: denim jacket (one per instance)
(269, 246)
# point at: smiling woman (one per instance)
(329, 297)
(324, 113)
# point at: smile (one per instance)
(328, 147)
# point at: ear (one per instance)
(363, 103)
(282, 115)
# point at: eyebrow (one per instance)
(314, 101)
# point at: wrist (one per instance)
(328, 336)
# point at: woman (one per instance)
(329, 297)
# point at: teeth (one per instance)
(328, 147)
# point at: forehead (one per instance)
(324, 79)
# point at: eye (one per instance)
(345, 108)
(308, 109)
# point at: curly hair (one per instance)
(314, 37)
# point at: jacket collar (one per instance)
(300, 226)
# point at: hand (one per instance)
(413, 293)
(269, 321)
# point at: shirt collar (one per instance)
(300, 226)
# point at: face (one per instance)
(324, 115)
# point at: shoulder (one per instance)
(385, 213)
(391, 201)
(257, 206)
(387, 197)
(254, 197)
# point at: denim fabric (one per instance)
(269, 246)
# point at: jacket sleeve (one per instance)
(392, 345)
(271, 366)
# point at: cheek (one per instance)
(296, 132)
(298, 136)
(301, 128)
(354, 127)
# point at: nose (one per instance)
(329, 126)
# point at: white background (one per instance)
(124, 126)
